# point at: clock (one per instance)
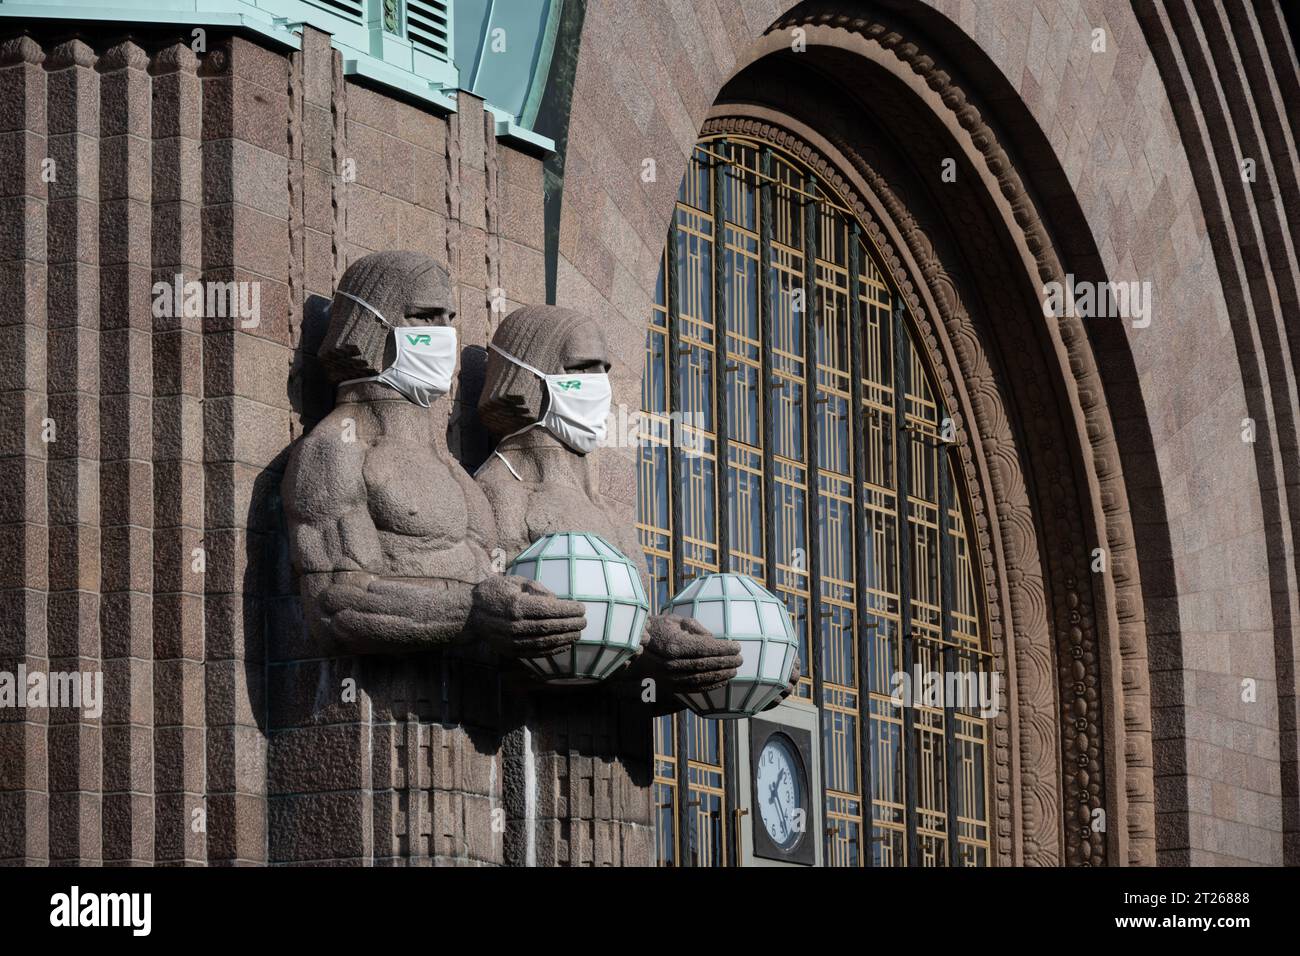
(782, 808)
(782, 817)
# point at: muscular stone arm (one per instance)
(336, 551)
(520, 616)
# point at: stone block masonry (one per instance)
(142, 455)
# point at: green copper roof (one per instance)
(417, 48)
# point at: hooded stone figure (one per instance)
(542, 478)
(388, 534)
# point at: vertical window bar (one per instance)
(947, 571)
(903, 470)
(811, 312)
(722, 479)
(861, 525)
(720, 356)
(675, 511)
(765, 194)
(811, 301)
(674, 404)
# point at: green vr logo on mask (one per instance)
(424, 339)
(570, 385)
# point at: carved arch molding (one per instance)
(873, 112)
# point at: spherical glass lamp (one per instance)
(587, 568)
(736, 607)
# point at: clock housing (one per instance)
(778, 750)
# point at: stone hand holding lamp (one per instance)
(542, 479)
(387, 532)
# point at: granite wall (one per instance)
(140, 455)
(145, 538)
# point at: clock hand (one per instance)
(773, 799)
(776, 785)
(784, 814)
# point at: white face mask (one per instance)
(576, 408)
(424, 363)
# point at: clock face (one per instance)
(780, 795)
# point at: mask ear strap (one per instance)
(503, 457)
(540, 374)
(520, 362)
(380, 316)
(354, 381)
(508, 465)
(366, 305)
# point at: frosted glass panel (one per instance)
(589, 577)
(621, 621)
(555, 575)
(749, 650)
(586, 656)
(595, 629)
(620, 580)
(709, 613)
(773, 661)
(773, 618)
(744, 618)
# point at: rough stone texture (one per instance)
(223, 740)
(74, 470)
(24, 600)
(126, 456)
(178, 645)
(1228, 95)
(376, 508)
(226, 166)
(1112, 140)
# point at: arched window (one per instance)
(775, 443)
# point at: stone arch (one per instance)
(1028, 813)
(1099, 399)
(1068, 451)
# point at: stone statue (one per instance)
(538, 483)
(388, 533)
